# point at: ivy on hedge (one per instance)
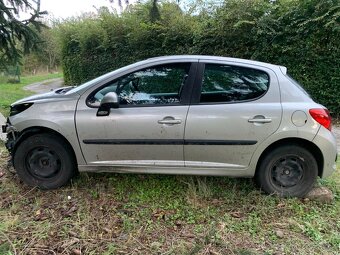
(302, 35)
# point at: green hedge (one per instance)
(300, 34)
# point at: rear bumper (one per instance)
(326, 142)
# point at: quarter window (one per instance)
(225, 83)
(156, 85)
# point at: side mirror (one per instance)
(110, 100)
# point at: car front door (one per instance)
(234, 108)
(148, 127)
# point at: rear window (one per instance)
(298, 85)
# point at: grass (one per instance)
(9, 93)
(159, 214)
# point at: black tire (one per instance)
(288, 171)
(45, 161)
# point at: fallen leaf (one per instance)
(76, 252)
(281, 205)
(41, 246)
(40, 215)
(236, 214)
(71, 233)
(217, 202)
(159, 214)
(70, 242)
(279, 233)
(188, 235)
(179, 223)
(70, 211)
(107, 230)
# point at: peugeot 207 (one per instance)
(193, 115)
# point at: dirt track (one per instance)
(45, 86)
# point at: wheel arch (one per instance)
(41, 130)
(311, 147)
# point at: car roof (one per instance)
(219, 58)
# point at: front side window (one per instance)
(156, 85)
(225, 83)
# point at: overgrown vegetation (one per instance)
(153, 214)
(18, 36)
(302, 35)
(46, 56)
(9, 93)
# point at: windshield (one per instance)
(88, 84)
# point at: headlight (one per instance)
(19, 108)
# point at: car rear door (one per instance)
(234, 108)
(148, 127)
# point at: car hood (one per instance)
(53, 95)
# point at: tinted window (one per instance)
(155, 85)
(224, 83)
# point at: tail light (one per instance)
(322, 116)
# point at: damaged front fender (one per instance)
(14, 138)
(11, 138)
(12, 135)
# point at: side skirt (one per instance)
(236, 172)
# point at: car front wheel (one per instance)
(288, 171)
(44, 161)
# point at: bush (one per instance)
(302, 35)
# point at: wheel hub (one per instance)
(288, 171)
(43, 162)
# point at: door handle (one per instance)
(170, 121)
(260, 119)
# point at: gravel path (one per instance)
(37, 88)
(45, 86)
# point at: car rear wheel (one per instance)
(288, 171)
(44, 161)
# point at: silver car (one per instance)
(194, 115)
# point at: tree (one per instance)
(18, 36)
(47, 55)
(154, 14)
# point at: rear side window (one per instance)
(225, 83)
(298, 85)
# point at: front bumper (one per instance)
(11, 135)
